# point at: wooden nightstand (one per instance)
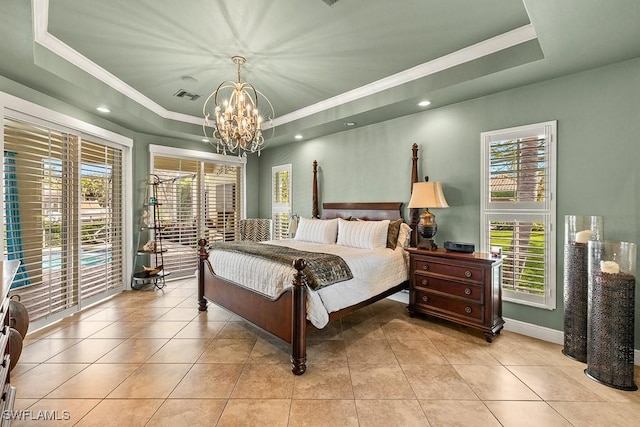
(459, 287)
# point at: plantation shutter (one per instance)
(63, 217)
(518, 209)
(223, 190)
(525, 248)
(518, 171)
(178, 210)
(198, 199)
(102, 230)
(281, 200)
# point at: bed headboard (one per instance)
(369, 211)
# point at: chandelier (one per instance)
(236, 122)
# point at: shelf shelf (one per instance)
(151, 252)
(144, 276)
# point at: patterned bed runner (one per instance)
(321, 270)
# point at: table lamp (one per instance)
(427, 195)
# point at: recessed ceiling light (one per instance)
(350, 124)
(298, 136)
(205, 139)
(424, 103)
(103, 109)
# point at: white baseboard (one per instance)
(534, 331)
(546, 334)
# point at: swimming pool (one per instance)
(89, 258)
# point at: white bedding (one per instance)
(374, 271)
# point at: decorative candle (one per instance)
(610, 267)
(583, 236)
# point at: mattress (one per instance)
(374, 271)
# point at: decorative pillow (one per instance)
(392, 234)
(317, 230)
(363, 234)
(404, 235)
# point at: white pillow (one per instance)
(317, 230)
(404, 236)
(363, 234)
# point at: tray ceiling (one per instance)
(320, 65)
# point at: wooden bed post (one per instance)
(203, 254)
(299, 320)
(314, 208)
(413, 213)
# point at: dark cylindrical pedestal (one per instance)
(578, 231)
(611, 330)
(575, 301)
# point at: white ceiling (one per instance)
(320, 66)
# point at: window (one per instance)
(518, 209)
(201, 196)
(63, 216)
(281, 200)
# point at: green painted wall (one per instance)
(598, 153)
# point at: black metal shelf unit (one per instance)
(152, 251)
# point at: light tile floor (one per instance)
(149, 358)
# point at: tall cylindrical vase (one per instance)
(610, 329)
(579, 229)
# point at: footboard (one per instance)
(284, 317)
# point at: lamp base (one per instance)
(427, 244)
(427, 229)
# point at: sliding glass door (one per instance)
(202, 197)
(63, 216)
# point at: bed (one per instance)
(265, 299)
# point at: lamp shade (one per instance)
(427, 195)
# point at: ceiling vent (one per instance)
(185, 94)
(330, 2)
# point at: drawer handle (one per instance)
(425, 282)
(467, 273)
(425, 298)
(467, 310)
(425, 267)
(467, 291)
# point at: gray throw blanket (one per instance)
(321, 270)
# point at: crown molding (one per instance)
(42, 36)
(467, 54)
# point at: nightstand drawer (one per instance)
(460, 308)
(455, 271)
(473, 292)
